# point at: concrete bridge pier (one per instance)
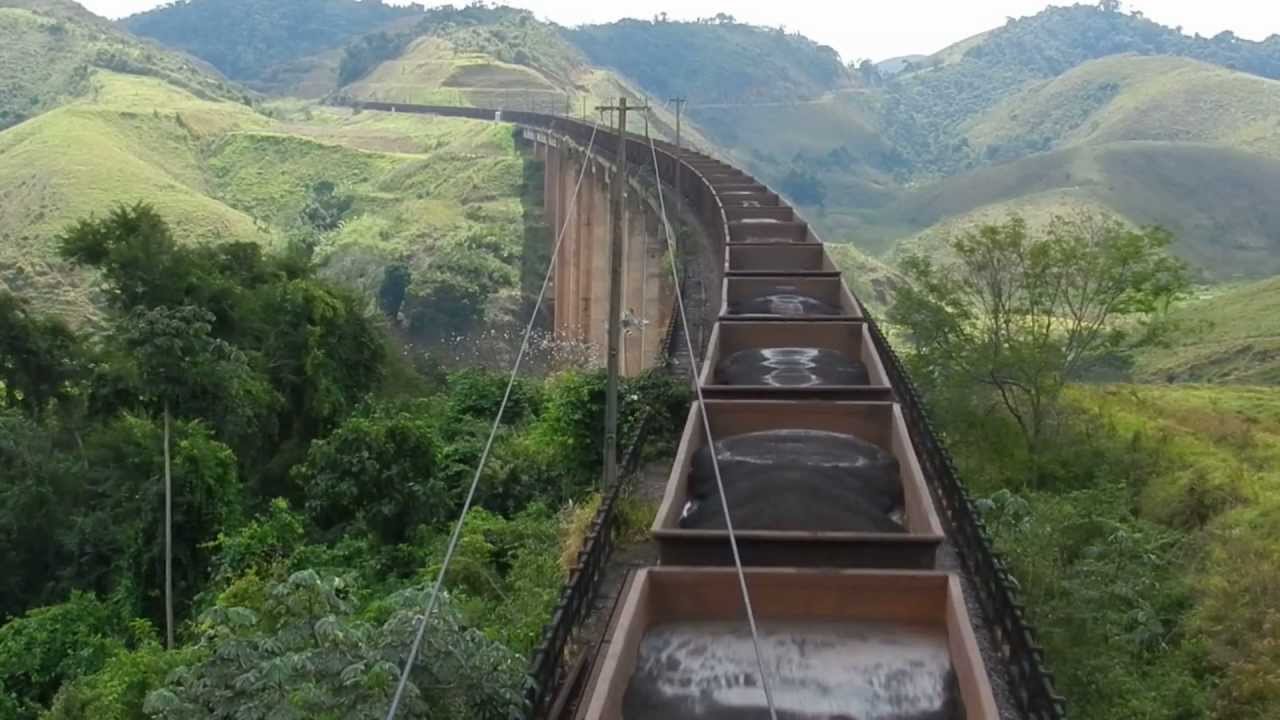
(580, 282)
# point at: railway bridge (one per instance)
(896, 611)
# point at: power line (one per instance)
(484, 456)
(706, 426)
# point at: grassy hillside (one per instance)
(222, 171)
(1071, 107)
(1215, 481)
(1215, 200)
(49, 49)
(89, 155)
(1151, 561)
(1131, 97)
(1231, 336)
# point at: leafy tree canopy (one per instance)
(1019, 312)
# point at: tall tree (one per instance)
(177, 358)
(1021, 313)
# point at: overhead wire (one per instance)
(484, 456)
(706, 426)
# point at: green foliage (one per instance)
(40, 358)
(477, 395)
(306, 653)
(1017, 316)
(1229, 338)
(119, 689)
(366, 53)
(312, 357)
(50, 646)
(49, 50)
(803, 187)
(136, 253)
(504, 578)
(325, 208)
(175, 356)
(395, 287)
(448, 297)
(1108, 592)
(377, 470)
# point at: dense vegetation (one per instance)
(315, 477)
(1139, 521)
(242, 38)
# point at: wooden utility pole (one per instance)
(168, 536)
(679, 103)
(617, 226)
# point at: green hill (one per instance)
(1131, 97)
(244, 38)
(1215, 199)
(49, 49)
(717, 60)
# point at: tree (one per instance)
(395, 285)
(135, 251)
(1020, 313)
(176, 358)
(49, 646)
(305, 651)
(39, 357)
(325, 208)
(377, 469)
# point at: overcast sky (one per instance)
(860, 28)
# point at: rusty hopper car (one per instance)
(850, 340)
(878, 423)
(776, 258)
(830, 292)
(837, 639)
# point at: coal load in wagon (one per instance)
(817, 671)
(792, 367)
(786, 304)
(798, 480)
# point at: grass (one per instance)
(1148, 552)
(1218, 480)
(1231, 335)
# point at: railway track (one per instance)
(870, 613)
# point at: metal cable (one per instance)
(706, 426)
(484, 456)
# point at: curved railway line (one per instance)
(838, 607)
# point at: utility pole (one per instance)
(617, 205)
(679, 102)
